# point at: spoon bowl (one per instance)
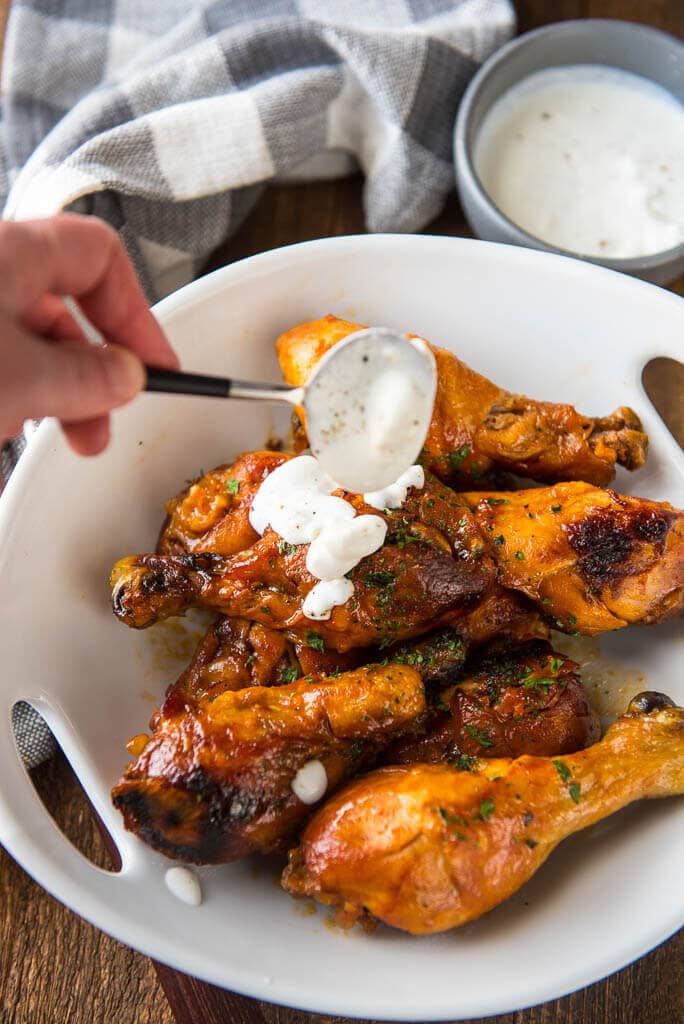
(368, 407)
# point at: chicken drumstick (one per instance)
(477, 426)
(427, 848)
(215, 782)
(591, 561)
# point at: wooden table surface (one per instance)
(55, 968)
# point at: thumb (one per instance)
(73, 381)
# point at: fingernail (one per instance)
(125, 372)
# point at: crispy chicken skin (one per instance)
(525, 699)
(233, 655)
(431, 589)
(478, 427)
(236, 653)
(213, 783)
(428, 848)
(592, 560)
(194, 730)
(440, 656)
(212, 512)
(501, 613)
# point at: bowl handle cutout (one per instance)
(60, 790)
(656, 371)
(31, 836)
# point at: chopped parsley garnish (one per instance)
(499, 540)
(498, 501)
(265, 609)
(562, 769)
(380, 578)
(527, 818)
(556, 508)
(459, 456)
(450, 820)
(288, 674)
(519, 555)
(486, 809)
(316, 641)
(531, 843)
(481, 736)
(542, 684)
(574, 789)
(250, 658)
(403, 536)
(233, 485)
(286, 549)
(559, 624)
(465, 763)
(356, 750)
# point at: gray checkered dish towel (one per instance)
(167, 118)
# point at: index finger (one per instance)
(81, 256)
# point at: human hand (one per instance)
(47, 366)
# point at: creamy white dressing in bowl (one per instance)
(587, 158)
(656, 58)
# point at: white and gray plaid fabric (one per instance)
(167, 118)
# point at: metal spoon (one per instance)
(358, 428)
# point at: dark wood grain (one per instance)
(56, 968)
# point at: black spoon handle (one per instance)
(187, 383)
(178, 383)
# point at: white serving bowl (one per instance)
(546, 325)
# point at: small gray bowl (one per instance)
(620, 44)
